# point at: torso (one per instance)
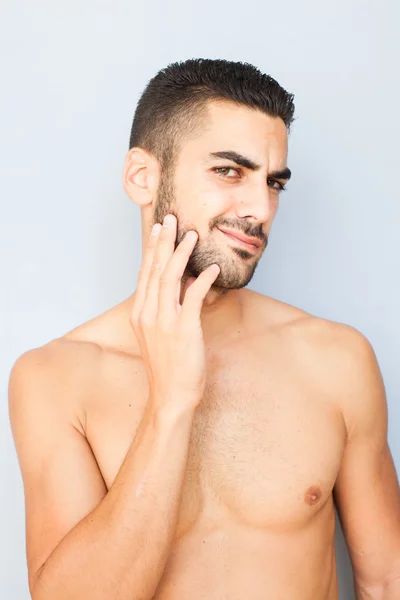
(256, 518)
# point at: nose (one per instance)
(255, 203)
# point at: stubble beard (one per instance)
(206, 252)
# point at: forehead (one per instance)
(250, 132)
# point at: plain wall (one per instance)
(71, 74)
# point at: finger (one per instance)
(164, 249)
(144, 270)
(171, 278)
(188, 283)
(195, 294)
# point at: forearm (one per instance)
(119, 550)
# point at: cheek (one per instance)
(274, 203)
(199, 210)
(205, 201)
(217, 195)
(201, 199)
(214, 201)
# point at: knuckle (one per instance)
(180, 256)
(145, 320)
(142, 272)
(184, 245)
(151, 243)
(163, 237)
(164, 327)
(166, 278)
(155, 268)
(134, 316)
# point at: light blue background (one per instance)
(71, 74)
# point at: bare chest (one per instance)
(265, 449)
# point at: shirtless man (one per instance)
(189, 443)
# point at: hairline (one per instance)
(199, 119)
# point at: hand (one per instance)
(170, 334)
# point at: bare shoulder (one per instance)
(333, 348)
(344, 365)
(60, 373)
(336, 357)
(67, 367)
(339, 363)
(310, 331)
(331, 343)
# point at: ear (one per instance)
(141, 176)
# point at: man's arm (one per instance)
(83, 542)
(367, 491)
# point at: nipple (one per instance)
(312, 495)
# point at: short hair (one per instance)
(173, 103)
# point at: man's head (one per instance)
(209, 144)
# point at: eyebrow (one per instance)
(247, 163)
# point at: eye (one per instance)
(276, 185)
(225, 170)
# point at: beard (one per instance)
(237, 266)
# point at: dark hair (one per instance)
(174, 101)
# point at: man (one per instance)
(191, 441)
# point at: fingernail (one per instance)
(168, 221)
(156, 229)
(191, 235)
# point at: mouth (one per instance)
(251, 247)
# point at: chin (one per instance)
(237, 264)
(229, 280)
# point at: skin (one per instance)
(206, 192)
(293, 419)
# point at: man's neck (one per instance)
(221, 312)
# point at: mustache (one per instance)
(242, 227)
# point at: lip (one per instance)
(251, 244)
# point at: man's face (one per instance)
(207, 192)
